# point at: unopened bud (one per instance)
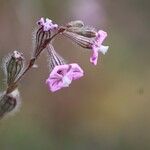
(77, 23)
(83, 41)
(84, 31)
(9, 102)
(13, 65)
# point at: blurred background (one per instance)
(108, 109)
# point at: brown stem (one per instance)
(31, 63)
(11, 87)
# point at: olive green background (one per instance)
(109, 108)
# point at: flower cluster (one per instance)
(61, 73)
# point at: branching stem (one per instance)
(11, 87)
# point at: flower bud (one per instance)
(84, 31)
(82, 41)
(77, 23)
(9, 102)
(13, 65)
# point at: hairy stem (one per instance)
(32, 61)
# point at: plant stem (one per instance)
(11, 87)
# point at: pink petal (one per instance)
(60, 68)
(54, 84)
(94, 57)
(62, 76)
(76, 71)
(47, 24)
(101, 35)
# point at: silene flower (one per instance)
(88, 38)
(62, 74)
(98, 47)
(43, 35)
(47, 24)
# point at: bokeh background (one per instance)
(108, 109)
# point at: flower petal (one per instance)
(47, 24)
(103, 49)
(66, 80)
(40, 22)
(76, 71)
(62, 76)
(52, 85)
(101, 35)
(98, 47)
(94, 57)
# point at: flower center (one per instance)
(66, 81)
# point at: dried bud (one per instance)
(13, 65)
(84, 31)
(77, 23)
(9, 102)
(83, 41)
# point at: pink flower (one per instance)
(62, 76)
(47, 24)
(98, 47)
